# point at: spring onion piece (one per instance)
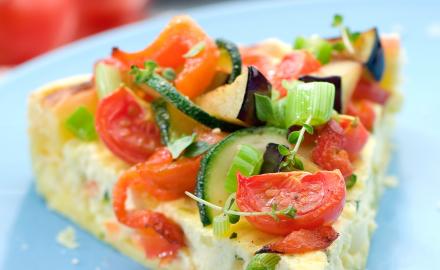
(107, 79)
(319, 47)
(247, 161)
(82, 124)
(264, 261)
(221, 226)
(314, 99)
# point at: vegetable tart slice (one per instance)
(197, 153)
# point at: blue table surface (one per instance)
(409, 217)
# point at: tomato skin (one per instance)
(293, 66)
(319, 199)
(29, 28)
(181, 34)
(329, 153)
(302, 241)
(356, 136)
(363, 109)
(370, 90)
(122, 125)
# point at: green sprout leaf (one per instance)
(284, 151)
(308, 128)
(178, 146)
(293, 137)
(337, 20)
(169, 74)
(350, 181)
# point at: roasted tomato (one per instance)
(292, 66)
(364, 110)
(370, 90)
(152, 224)
(318, 199)
(181, 34)
(302, 241)
(126, 128)
(329, 152)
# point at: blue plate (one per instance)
(409, 217)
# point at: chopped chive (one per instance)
(82, 124)
(264, 261)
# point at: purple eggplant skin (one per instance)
(256, 84)
(271, 159)
(335, 80)
(376, 60)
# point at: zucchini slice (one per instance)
(216, 163)
(234, 57)
(162, 118)
(185, 105)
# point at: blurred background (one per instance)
(29, 28)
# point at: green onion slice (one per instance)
(107, 78)
(247, 161)
(221, 226)
(264, 261)
(319, 47)
(82, 124)
(314, 99)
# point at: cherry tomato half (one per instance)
(318, 199)
(124, 126)
(181, 34)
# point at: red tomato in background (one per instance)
(364, 110)
(318, 199)
(31, 27)
(98, 15)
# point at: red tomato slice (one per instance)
(293, 66)
(370, 90)
(329, 152)
(181, 34)
(318, 199)
(364, 110)
(251, 56)
(356, 136)
(123, 125)
(302, 241)
(166, 179)
(143, 219)
(156, 246)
